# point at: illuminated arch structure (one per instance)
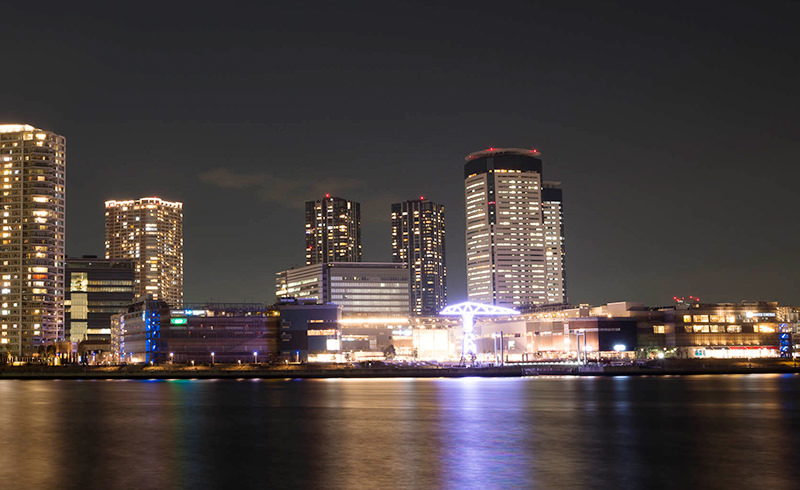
(468, 311)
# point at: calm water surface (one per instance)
(550, 433)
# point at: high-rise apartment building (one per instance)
(507, 230)
(333, 230)
(418, 240)
(149, 231)
(32, 249)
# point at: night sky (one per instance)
(672, 126)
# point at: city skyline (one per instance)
(399, 245)
(553, 205)
(654, 123)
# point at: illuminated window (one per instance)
(79, 281)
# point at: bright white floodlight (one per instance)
(468, 311)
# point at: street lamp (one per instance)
(212, 358)
(255, 357)
(172, 358)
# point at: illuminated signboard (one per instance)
(178, 321)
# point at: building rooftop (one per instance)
(144, 200)
(16, 128)
(503, 151)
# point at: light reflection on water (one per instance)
(691, 432)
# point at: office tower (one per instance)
(553, 221)
(362, 289)
(333, 230)
(96, 289)
(418, 240)
(506, 230)
(149, 231)
(32, 251)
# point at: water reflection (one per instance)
(693, 432)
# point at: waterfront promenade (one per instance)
(398, 370)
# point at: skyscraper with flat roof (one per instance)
(333, 230)
(149, 231)
(418, 240)
(553, 224)
(513, 257)
(32, 248)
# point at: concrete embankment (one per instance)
(292, 372)
(656, 368)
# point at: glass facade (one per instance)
(98, 288)
(361, 288)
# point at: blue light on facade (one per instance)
(153, 331)
(785, 340)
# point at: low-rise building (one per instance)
(716, 330)
(309, 332)
(558, 332)
(592, 338)
(685, 330)
(151, 332)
